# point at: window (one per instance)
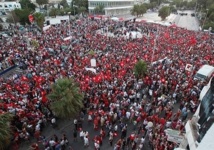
(10, 5)
(0, 5)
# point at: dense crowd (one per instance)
(113, 96)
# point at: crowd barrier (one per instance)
(7, 70)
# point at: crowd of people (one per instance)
(114, 98)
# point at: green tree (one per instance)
(139, 10)
(82, 10)
(26, 4)
(12, 17)
(99, 9)
(140, 69)
(5, 130)
(66, 100)
(54, 12)
(143, 9)
(1, 27)
(191, 4)
(158, 2)
(164, 12)
(173, 9)
(39, 18)
(23, 15)
(41, 2)
(64, 4)
(80, 3)
(35, 43)
(135, 11)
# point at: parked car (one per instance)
(193, 14)
(183, 14)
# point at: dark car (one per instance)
(183, 14)
(193, 14)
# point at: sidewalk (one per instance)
(153, 16)
(171, 18)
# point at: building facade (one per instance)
(9, 6)
(201, 126)
(112, 7)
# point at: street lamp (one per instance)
(205, 19)
(74, 8)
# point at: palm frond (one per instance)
(66, 99)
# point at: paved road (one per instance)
(187, 22)
(66, 127)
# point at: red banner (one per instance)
(31, 18)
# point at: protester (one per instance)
(112, 93)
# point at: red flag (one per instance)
(31, 18)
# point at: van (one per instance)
(204, 73)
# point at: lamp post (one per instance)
(69, 13)
(205, 19)
(74, 6)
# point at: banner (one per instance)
(174, 136)
(67, 38)
(31, 18)
(91, 69)
(189, 67)
(93, 62)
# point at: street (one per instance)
(187, 21)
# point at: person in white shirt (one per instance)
(53, 122)
(82, 134)
(86, 141)
(37, 127)
(128, 114)
(52, 143)
(142, 140)
(96, 145)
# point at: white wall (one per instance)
(9, 6)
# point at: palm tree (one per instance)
(5, 130)
(65, 98)
(140, 69)
(39, 18)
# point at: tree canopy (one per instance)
(1, 27)
(164, 12)
(140, 69)
(80, 3)
(65, 98)
(22, 15)
(64, 4)
(41, 2)
(5, 130)
(27, 4)
(99, 9)
(39, 18)
(138, 10)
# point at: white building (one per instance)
(200, 129)
(142, 1)
(8, 6)
(112, 7)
